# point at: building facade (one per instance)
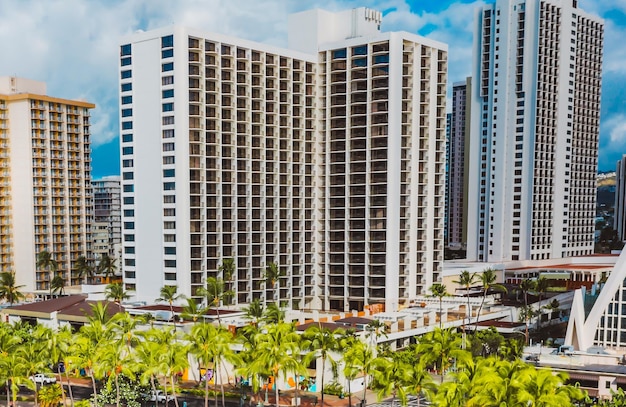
(620, 199)
(326, 159)
(535, 128)
(457, 166)
(107, 219)
(45, 167)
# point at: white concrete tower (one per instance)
(535, 128)
(327, 160)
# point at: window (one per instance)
(168, 173)
(168, 133)
(129, 250)
(129, 188)
(170, 263)
(125, 50)
(170, 250)
(167, 80)
(129, 225)
(129, 238)
(126, 74)
(169, 186)
(167, 67)
(168, 107)
(169, 199)
(127, 175)
(129, 213)
(167, 41)
(169, 225)
(127, 125)
(127, 112)
(127, 87)
(168, 93)
(339, 53)
(126, 61)
(129, 262)
(167, 53)
(127, 138)
(169, 212)
(127, 99)
(127, 163)
(168, 159)
(168, 146)
(129, 200)
(127, 150)
(381, 59)
(168, 120)
(169, 238)
(362, 50)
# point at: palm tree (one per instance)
(84, 269)
(228, 269)
(193, 311)
(45, 261)
(65, 343)
(9, 291)
(541, 287)
(147, 353)
(35, 360)
(174, 359)
(273, 314)
(375, 330)
(254, 312)
(466, 279)
(113, 361)
(440, 346)
(321, 343)
(214, 294)
(57, 285)
(358, 357)
(439, 290)
(99, 312)
(526, 313)
(116, 293)
(211, 344)
(420, 381)
(106, 265)
(272, 276)
(488, 281)
(169, 295)
(277, 348)
(392, 377)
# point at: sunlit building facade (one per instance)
(326, 158)
(535, 127)
(45, 182)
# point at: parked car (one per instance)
(158, 396)
(42, 378)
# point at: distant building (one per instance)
(458, 143)
(619, 217)
(107, 221)
(326, 158)
(45, 181)
(535, 128)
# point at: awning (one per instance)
(555, 275)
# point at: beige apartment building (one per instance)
(45, 181)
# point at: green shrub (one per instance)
(334, 389)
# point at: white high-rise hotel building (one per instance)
(535, 127)
(326, 158)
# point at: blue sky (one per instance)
(73, 46)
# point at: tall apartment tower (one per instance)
(326, 159)
(107, 219)
(458, 166)
(45, 182)
(619, 222)
(535, 127)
